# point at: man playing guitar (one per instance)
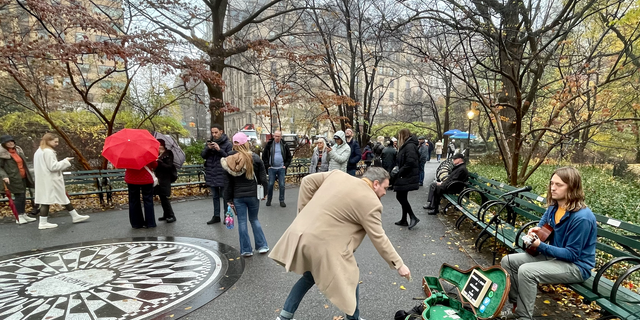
(570, 255)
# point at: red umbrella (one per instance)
(131, 148)
(11, 204)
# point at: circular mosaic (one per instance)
(140, 278)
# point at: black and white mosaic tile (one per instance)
(136, 278)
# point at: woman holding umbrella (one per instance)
(50, 182)
(15, 174)
(245, 170)
(141, 181)
(165, 173)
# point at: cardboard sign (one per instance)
(476, 288)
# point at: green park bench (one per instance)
(505, 220)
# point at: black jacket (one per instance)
(164, 171)
(241, 187)
(389, 158)
(356, 155)
(408, 161)
(459, 173)
(267, 156)
(214, 175)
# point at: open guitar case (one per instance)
(447, 299)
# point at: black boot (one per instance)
(213, 220)
(414, 221)
(402, 223)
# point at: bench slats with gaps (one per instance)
(615, 300)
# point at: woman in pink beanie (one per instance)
(245, 171)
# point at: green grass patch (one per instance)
(615, 197)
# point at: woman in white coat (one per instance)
(50, 182)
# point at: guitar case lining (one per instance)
(439, 305)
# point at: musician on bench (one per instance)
(569, 256)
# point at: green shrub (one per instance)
(615, 197)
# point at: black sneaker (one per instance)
(268, 203)
(282, 204)
(162, 219)
(171, 219)
(213, 220)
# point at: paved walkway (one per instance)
(262, 289)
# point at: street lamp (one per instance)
(470, 115)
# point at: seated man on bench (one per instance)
(568, 258)
(453, 183)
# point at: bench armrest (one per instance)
(521, 230)
(616, 286)
(608, 265)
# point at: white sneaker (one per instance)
(247, 254)
(507, 314)
(44, 224)
(263, 250)
(21, 220)
(278, 318)
(26, 217)
(77, 217)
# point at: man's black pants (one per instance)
(435, 193)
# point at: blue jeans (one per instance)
(439, 156)
(300, 289)
(216, 194)
(352, 172)
(428, 156)
(422, 164)
(272, 181)
(135, 208)
(243, 206)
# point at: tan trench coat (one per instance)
(335, 212)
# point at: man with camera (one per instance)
(320, 242)
(217, 147)
(276, 157)
(570, 255)
(453, 183)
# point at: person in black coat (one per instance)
(165, 173)
(408, 175)
(453, 183)
(217, 148)
(388, 157)
(356, 153)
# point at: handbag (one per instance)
(259, 188)
(228, 217)
(153, 175)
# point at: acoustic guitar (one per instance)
(545, 234)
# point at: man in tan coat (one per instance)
(329, 227)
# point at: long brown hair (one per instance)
(575, 194)
(245, 152)
(44, 143)
(403, 135)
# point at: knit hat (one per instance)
(240, 138)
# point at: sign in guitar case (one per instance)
(481, 293)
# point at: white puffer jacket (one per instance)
(339, 155)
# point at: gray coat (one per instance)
(339, 155)
(324, 166)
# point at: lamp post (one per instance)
(470, 115)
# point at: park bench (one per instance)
(505, 220)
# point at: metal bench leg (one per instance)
(460, 221)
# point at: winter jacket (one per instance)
(241, 187)
(431, 146)
(9, 169)
(339, 155)
(439, 147)
(324, 165)
(139, 177)
(355, 156)
(574, 238)
(377, 154)
(423, 151)
(214, 175)
(48, 177)
(164, 172)
(389, 157)
(267, 154)
(459, 173)
(408, 160)
(452, 148)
